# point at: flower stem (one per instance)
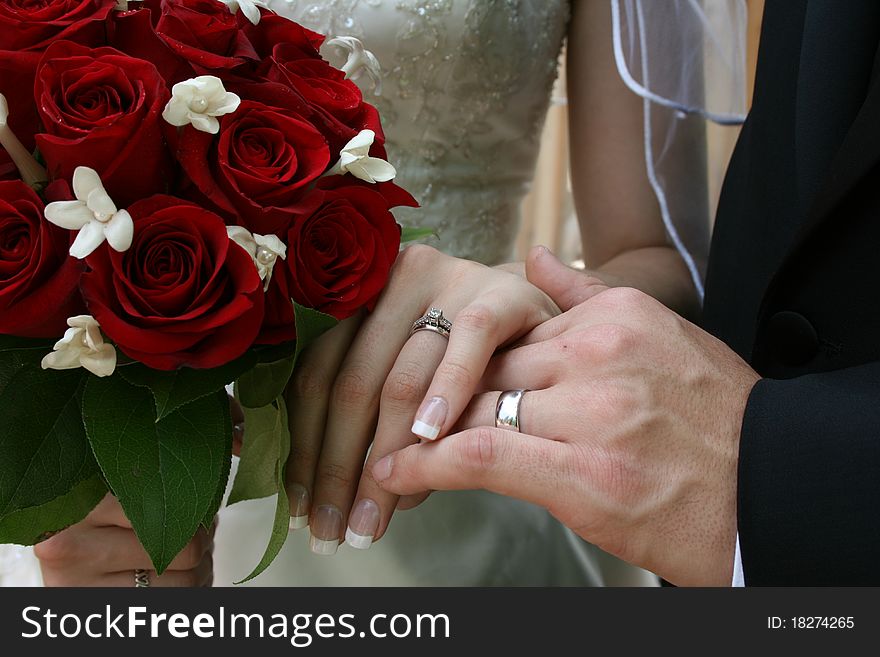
(32, 173)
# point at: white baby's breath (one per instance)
(263, 249)
(82, 346)
(198, 101)
(93, 214)
(359, 62)
(355, 159)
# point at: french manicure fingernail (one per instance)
(299, 506)
(430, 418)
(362, 524)
(325, 529)
(382, 469)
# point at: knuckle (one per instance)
(352, 389)
(309, 383)
(57, 550)
(455, 374)
(304, 451)
(607, 341)
(414, 257)
(477, 318)
(404, 386)
(479, 450)
(336, 476)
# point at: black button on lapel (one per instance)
(792, 338)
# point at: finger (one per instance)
(477, 332)
(308, 397)
(513, 464)
(527, 367)
(539, 414)
(408, 502)
(403, 391)
(566, 286)
(108, 513)
(199, 577)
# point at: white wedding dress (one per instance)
(465, 88)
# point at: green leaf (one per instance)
(42, 441)
(259, 386)
(172, 390)
(267, 381)
(165, 472)
(226, 463)
(275, 415)
(34, 524)
(260, 451)
(17, 352)
(411, 234)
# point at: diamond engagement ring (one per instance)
(507, 409)
(142, 579)
(433, 320)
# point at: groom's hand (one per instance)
(630, 434)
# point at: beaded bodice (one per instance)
(465, 88)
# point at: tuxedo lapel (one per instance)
(837, 143)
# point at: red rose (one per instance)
(103, 109)
(274, 29)
(339, 256)
(183, 295)
(257, 166)
(34, 24)
(205, 33)
(17, 85)
(335, 105)
(38, 280)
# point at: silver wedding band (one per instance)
(507, 409)
(142, 579)
(433, 321)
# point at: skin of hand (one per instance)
(630, 434)
(342, 401)
(103, 550)
(359, 386)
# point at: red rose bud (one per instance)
(38, 281)
(102, 109)
(183, 295)
(35, 25)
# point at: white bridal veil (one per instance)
(687, 60)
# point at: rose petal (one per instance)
(71, 215)
(119, 231)
(89, 238)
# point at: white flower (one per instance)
(250, 8)
(360, 61)
(82, 346)
(32, 172)
(355, 159)
(264, 249)
(93, 214)
(198, 101)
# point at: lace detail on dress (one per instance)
(466, 86)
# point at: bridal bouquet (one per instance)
(189, 195)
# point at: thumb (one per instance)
(566, 286)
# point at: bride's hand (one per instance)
(372, 394)
(103, 550)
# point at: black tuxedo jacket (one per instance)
(794, 287)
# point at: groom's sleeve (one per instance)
(809, 480)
